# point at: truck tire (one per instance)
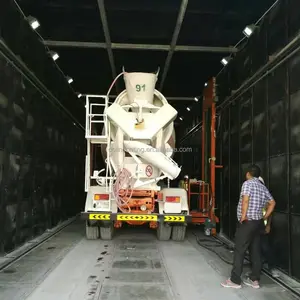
(106, 233)
(163, 232)
(92, 232)
(178, 233)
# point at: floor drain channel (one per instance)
(9, 271)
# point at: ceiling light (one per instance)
(54, 55)
(34, 23)
(249, 30)
(188, 109)
(79, 95)
(196, 99)
(70, 80)
(225, 60)
(180, 119)
(205, 84)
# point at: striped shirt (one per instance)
(258, 194)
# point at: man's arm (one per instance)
(270, 209)
(269, 220)
(270, 206)
(245, 200)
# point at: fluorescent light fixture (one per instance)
(54, 55)
(34, 23)
(180, 119)
(70, 80)
(196, 99)
(79, 95)
(226, 60)
(188, 109)
(249, 30)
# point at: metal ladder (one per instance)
(100, 118)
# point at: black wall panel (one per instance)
(280, 240)
(246, 128)
(258, 47)
(277, 129)
(278, 182)
(277, 28)
(41, 162)
(294, 122)
(295, 237)
(295, 183)
(224, 134)
(261, 124)
(293, 18)
(267, 135)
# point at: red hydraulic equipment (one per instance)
(201, 194)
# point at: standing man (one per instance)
(254, 197)
(266, 249)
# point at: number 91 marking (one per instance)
(140, 87)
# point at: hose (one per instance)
(123, 181)
(113, 83)
(212, 244)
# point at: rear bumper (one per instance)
(166, 218)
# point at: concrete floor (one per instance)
(133, 266)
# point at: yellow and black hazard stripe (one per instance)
(99, 217)
(102, 216)
(174, 218)
(134, 217)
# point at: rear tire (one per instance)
(106, 233)
(163, 232)
(91, 232)
(178, 233)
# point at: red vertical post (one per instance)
(203, 143)
(202, 200)
(213, 157)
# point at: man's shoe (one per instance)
(274, 273)
(229, 284)
(249, 282)
(247, 274)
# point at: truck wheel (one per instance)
(178, 233)
(163, 232)
(106, 233)
(92, 232)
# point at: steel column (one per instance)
(101, 7)
(20, 180)
(179, 22)
(143, 47)
(4, 188)
(229, 171)
(288, 168)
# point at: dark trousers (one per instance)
(248, 235)
(267, 253)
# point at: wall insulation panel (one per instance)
(260, 124)
(41, 162)
(41, 150)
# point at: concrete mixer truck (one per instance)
(136, 137)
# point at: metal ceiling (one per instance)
(186, 39)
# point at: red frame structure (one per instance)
(207, 188)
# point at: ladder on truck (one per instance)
(96, 134)
(92, 118)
